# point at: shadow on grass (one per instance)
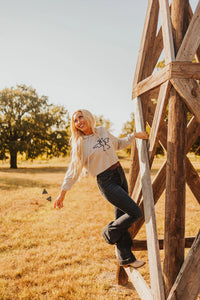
(35, 170)
(11, 180)
(17, 183)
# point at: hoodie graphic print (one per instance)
(99, 153)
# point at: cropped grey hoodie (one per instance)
(99, 153)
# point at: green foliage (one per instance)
(28, 124)
(128, 126)
(128, 129)
(160, 64)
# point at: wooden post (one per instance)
(157, 286)
(174, 237)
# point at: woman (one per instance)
(94, 149)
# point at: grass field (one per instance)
(60, 254)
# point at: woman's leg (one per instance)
(124, 244)
(115, 190)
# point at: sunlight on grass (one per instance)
(60, 254)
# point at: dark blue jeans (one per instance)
(113, 186)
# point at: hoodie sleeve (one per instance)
(121, 143)
(70, 179)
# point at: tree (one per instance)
(28, 124)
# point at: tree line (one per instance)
(29, 125)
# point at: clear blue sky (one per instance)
(79, 53)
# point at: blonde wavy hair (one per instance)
(76, 142)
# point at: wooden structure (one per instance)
(175, 87)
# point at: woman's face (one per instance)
(81, 123)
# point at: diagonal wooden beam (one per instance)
(158, 119)
(142, 68)
(159, 181)
(189, 90)
(193, 179)
(172, 71)
(155, 131)
(158, 186)
(152, 81)
(148, 112)
(167, 31)
(191, 39)
(157, 284)
(157, 48)
(193, 132)
(186, 285)
(139, 283)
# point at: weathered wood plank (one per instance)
(142, 68)
(157, 48)
(121, 275)
(159, 181)
(158, 118)
(174, 70)
(191, 40)
(184, 69)
(189, 90)
(152, 81)
(167, 31)
(193, 179)
(174, 234)
(158, 185)
(153, 93)
(150, 220)
(175, 190)
(193, 132)
(148, 112)
(139, 283)
(134, 167)
(187, 282)
(141, 245)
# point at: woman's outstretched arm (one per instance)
(141, 135)
(59, 200)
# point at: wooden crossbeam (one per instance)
(174, 70)
(141, 245)
(185, 70)
(152, 81)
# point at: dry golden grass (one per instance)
(60, 254)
